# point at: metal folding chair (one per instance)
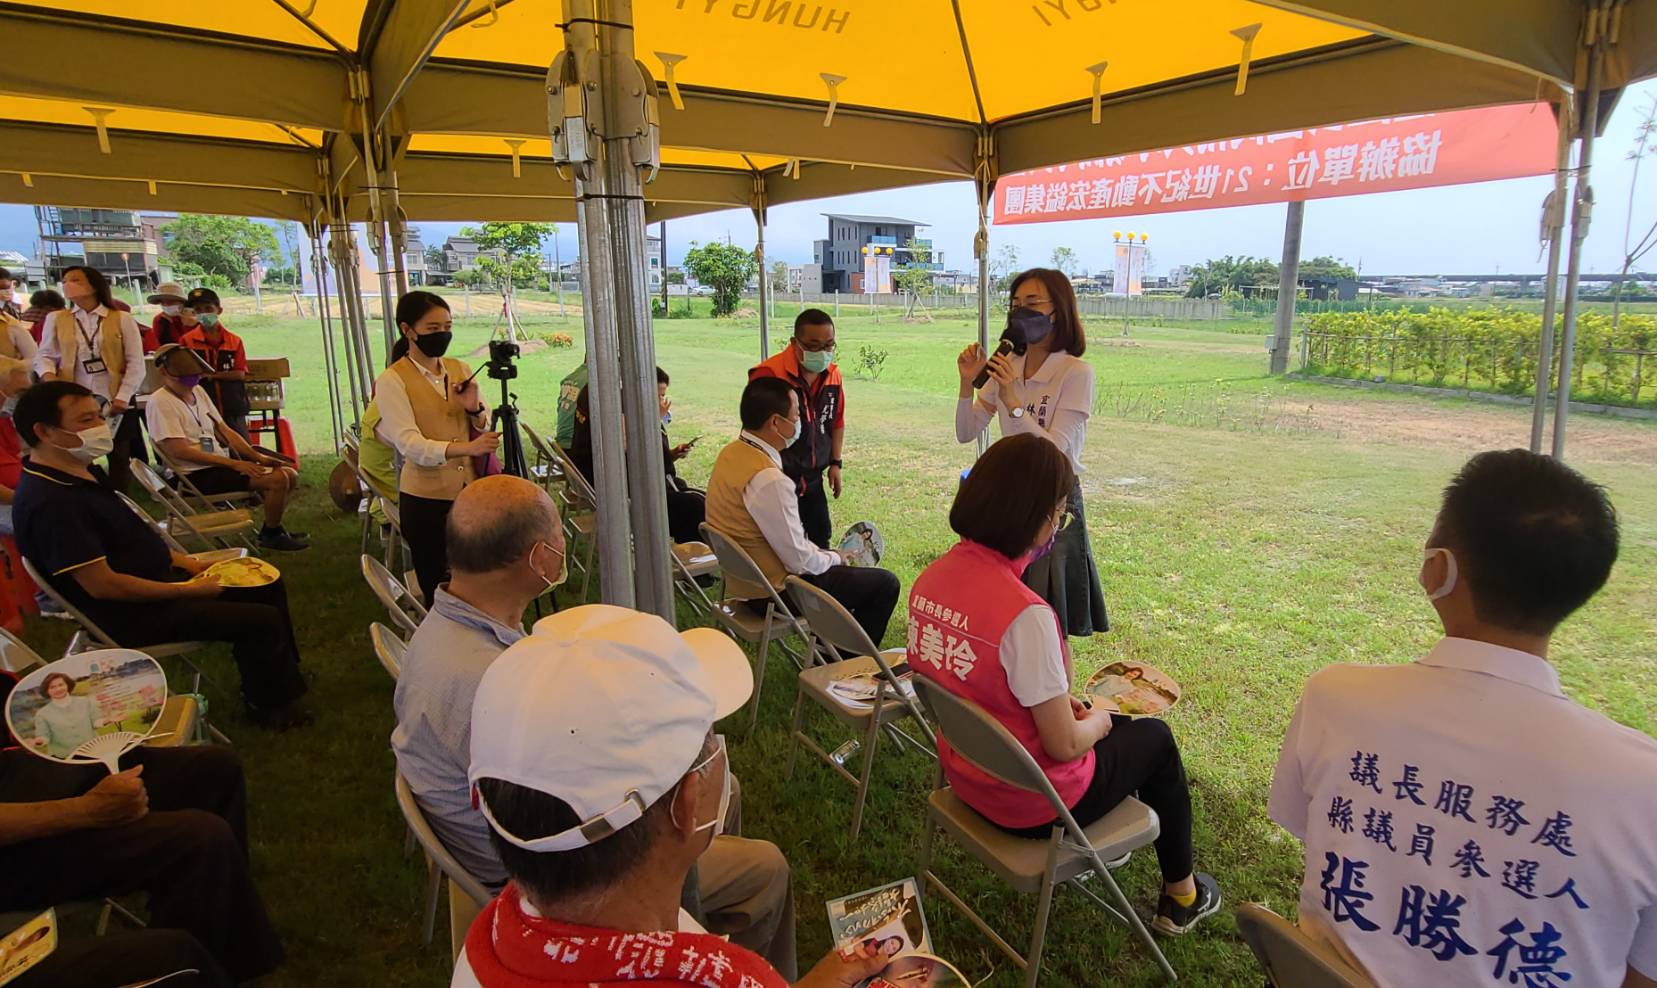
(203, 502)
(180, 721)
(1290, 958)
(211, 528)
(1070, 854)
(89, 636)
(578, 506)
(848, 652)
(741, 623)
(692, 562)
(467, 895)
(545, 470)
(388, 648)
(405, 609)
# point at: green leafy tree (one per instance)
(225, 246)
(435, 257)
(1230, 274)
(1326, 267)
(779, 276)
(725, 268)
(525, 271)
(517, 242)
(675, 277)
(1064, 259)
(914, 275)
(1003, 265)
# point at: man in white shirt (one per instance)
(1465, 822)
(753, 503)
(186, 426)
(74, 347)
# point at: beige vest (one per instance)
(437, 420)
(735, 466)
(66, 331)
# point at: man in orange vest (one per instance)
(807, 364)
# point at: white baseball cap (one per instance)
(605, 708)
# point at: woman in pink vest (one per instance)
(979, 632)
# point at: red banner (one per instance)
(1344, 160)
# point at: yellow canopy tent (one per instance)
(384, 111)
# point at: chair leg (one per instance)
(408, 842)
(434, 881)
(869, 742)
(1139, 931)
(1044, 908)
(759, 676)
(794, 735)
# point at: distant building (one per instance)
(805, 277)
(458, 254)
(414, 257)
(860, 252)
(114, 241)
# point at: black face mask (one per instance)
(434, 344)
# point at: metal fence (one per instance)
(1108, 306)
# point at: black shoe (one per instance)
(281, 718)
(1172, 919)
(282, 541)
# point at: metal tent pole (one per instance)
(1553, 224)
(1582, 206)
(342, 261)
(981, 249)
(336, 415)
(764, 276)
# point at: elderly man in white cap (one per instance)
(595, 762)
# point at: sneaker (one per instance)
(1173, 919)
(49, 608)
(282, 541)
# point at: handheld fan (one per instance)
(91, 707)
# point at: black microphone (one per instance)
(983, 377)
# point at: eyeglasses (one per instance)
(816, 347)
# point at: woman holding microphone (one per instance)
(1047, 391)
(430, 407)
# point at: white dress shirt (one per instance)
(774, 503)
(1057, 400)
(90, 326)
(1461, 810)
(397, 425)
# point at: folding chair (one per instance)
(209, 557)
(210, 527)
(405, 609)
(741, 623)
(694, 561)
(203, 502)
(1029, 865)
(388, 648)
(1290, 958)
(180, 721)
(578, 504)
(546, 469)
(467, 895)
(848, 652)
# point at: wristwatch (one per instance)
(836, 463)
(1017, 411)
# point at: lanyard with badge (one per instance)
(204, 431)
(93, 363)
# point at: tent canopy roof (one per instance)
(922, 91)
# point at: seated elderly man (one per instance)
(104, 559)
(185, 423)
(173, 825)
(754, 504)
(595, 763)
(1465, 821)
(506, 547)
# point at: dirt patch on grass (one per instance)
(1447, 426)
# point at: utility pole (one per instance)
(1287, 287)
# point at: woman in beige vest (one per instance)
(96, 344)
(429, 412)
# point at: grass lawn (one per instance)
(1249, 531)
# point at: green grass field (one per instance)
(1249, 530)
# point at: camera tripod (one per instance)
(504, 419)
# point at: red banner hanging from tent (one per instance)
(1412, 152)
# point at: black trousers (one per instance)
(129, 442)
(686, 510)
(254, 620)
(869, 593)
(814, 513)
(188, 854)
(1138, 757)
(425, 529)
(125, 958)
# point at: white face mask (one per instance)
(172, 310)
(95, 442)
(794, 437)
(1449, 583)
(563, 566)
(717, 824)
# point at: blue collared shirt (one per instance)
(445, 661)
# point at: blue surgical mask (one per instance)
(667, 418)
(815, 361)
(799, 426)
(208, 319)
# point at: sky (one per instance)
(1469, 229)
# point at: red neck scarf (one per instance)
(508, 947)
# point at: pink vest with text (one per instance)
(959, 609)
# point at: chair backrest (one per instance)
(388, 648)
(983, 741)
(159, 489)
(573, 477)
(429, 842)
(99, 638)
(406, 611)
(15, 654)
(735, 561)
(159, 529)
(829, 621)
(1292, 959)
